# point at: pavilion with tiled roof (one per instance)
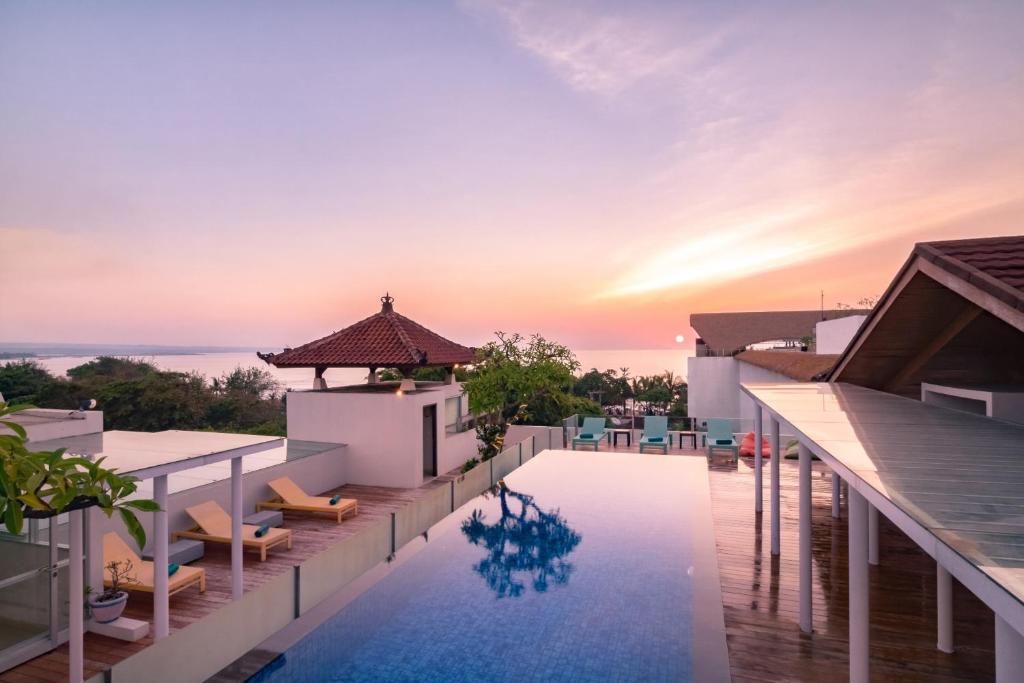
(384, 340)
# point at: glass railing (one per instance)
(285, 597)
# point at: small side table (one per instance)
(691, 435)
(615, 436)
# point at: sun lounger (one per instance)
(720, 437)
(655, 434)
(141, 577)
(291, 497)
(213, 524)
(593, 432)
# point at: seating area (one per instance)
(291, 497)
(141, 577)
(655, 434)
(720, 438)
(592, 433)
(312, 534)
(213, 525)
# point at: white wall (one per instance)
(833, 336)
(383, 432)
(714, 390)
(998, 402)
(713, 386)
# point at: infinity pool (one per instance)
(586, 567)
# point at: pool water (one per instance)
(585, 568)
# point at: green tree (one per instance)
(23, 381)
(156, 401)
(136, 395)
(604, 387)
(250, 381)
(514, 371)
(108, 368)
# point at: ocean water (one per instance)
(639, 362)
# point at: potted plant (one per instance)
(110, 604)
(46, 483)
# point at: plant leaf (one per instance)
(134, 527)
(144, 505)
(13, 518)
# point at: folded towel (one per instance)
(334, 499)
(655, 439)
(262, 531)
(723, 442)
(586, 435)
(172, 567)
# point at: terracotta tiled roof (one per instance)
(383, 340)
(993, 264)
(726, 333)
(803, 367)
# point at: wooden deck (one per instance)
(759, 592)
(312, 535)
(761, 600)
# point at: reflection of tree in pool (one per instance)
(528, 541)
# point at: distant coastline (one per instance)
(14, 350)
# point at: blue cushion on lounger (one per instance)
(655, 439)
(262, 531)
(586, 436)
(172, 567)
(334, 499)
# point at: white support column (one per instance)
(758, 457)
(236, 528)
(872, 535)
(76, 598)
(93, 549)
(1009, 653)
(776, 464)
(944, 612)
(859, 591)
(161, 600)
(806, 617)
(836, 486)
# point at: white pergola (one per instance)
(950, 480)
(153, 455)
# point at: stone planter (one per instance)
(106, 611)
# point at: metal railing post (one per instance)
(393, 524)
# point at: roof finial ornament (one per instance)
(386, 303)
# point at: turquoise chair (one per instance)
(655, 434)
(592, 433)
(720, 437)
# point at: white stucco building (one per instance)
(758, 347)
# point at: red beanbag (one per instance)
(747, 446)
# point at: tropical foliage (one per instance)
(528, 379)
(521, 380)
(654, 394)
(45, 483)
(135, 395)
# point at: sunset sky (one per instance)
(259, 174)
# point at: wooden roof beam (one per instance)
(962, 320)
